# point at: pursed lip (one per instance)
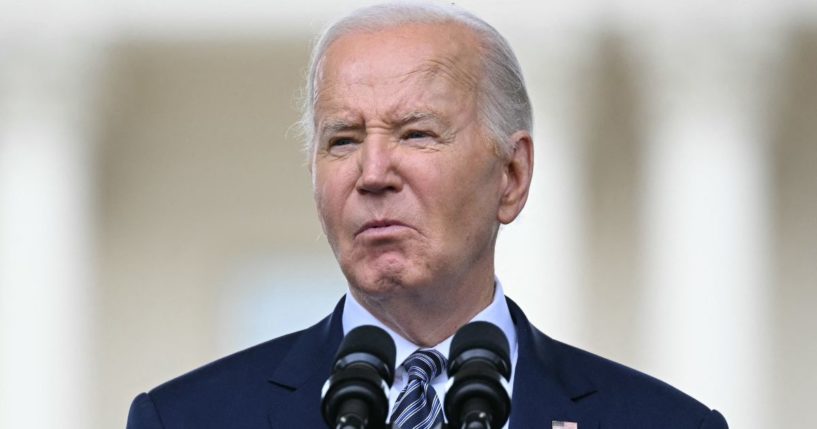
(381, 223)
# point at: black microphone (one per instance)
(356, 395)
(479, 369)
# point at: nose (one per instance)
(377, 164)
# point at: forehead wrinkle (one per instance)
(455, 63)
(408, 108)
(334, 124)
(451, 69)
(413, 116)
(447, 68)
(405, 108)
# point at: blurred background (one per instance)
(156, 212)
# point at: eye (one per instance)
(414, 134)
(341, 141)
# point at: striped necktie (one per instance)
(418, 406)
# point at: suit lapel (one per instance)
(298, 379)
(544, 389)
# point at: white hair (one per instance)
(503, 99)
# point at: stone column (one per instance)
(794, 231)
(45, 241)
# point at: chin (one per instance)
(384, 276)
(378, 284)
(382, 284)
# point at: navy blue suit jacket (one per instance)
(277, 384)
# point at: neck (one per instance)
(427, 316)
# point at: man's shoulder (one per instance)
(618, 379)
(560, 381)
(232, 369)
(236, 389)
(623, 394)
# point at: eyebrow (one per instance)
(334, 125)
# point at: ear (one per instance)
(517, 174)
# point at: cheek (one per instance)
(333, 189)
(474, 198)
(325, 204)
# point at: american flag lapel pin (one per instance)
(565, 425)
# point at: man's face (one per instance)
(407, 185)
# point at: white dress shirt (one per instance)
(497, 312)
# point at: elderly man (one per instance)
(418, 129)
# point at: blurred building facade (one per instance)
(156, 210)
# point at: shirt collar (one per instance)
(354, 315)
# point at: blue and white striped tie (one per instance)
(418, 406)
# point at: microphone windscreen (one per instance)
(480, 335)
(369, 339)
